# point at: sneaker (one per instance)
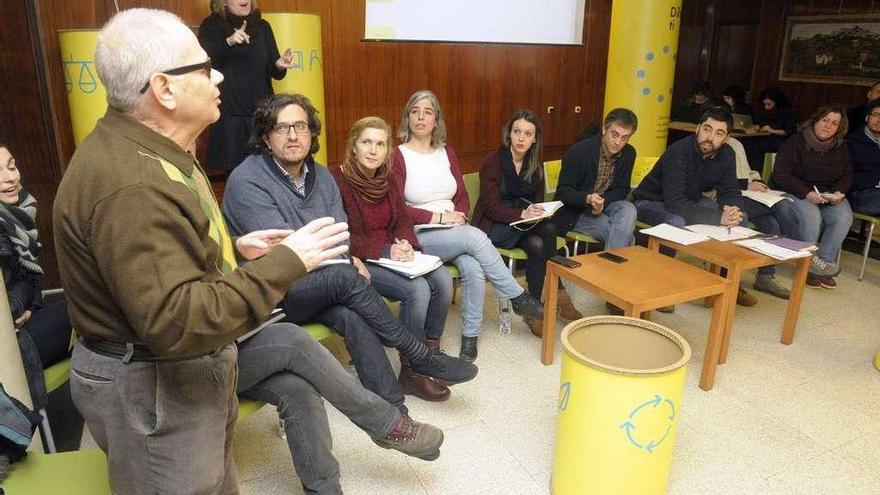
(525, 304)
(821, 282)
(447, 370)
(468, 350)
(818, 266)
(769, 285)
(416, 439)
(743, 298)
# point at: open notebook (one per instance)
(420, 264)
(550, 208)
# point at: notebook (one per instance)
(550, 208)
(275, 316)
(420, 264)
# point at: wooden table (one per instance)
(648, 280)
(736, 260)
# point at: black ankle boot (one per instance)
(468, 350)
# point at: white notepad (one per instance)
(675, 234)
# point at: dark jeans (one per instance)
(284, 366)
(339, 297)
(539, 243)
(49, 328)
(865, 201)
(166, 427)
(781, 219)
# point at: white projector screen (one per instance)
(557, 22)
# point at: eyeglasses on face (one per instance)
(284, 128)
(177, 71)
(874, 115)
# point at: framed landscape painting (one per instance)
(832, 49)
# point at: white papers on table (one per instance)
(418, 266)
(768, 197)
(675, 234)
(274, 316)
(430, 226)
(720, 233)
(550, 208)
(771, 250)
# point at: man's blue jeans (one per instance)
(615, 225)
(424, 301)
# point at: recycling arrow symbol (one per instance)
(643, 410)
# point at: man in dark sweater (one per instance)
(672, 192)
(864, 152)
(595, 181)
(856, 115)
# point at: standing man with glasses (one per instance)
(864, 152)
(150, 270)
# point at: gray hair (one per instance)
(134, 45)
(438, 135)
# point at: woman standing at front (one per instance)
(813, 167)
(242, 46)
(428, 173)
(511, 181)
(381, 228)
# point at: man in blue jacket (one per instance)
(864, 151)
(594, 183)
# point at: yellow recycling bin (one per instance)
(877, 360)
(619, 404)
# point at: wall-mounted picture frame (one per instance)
(840, 49)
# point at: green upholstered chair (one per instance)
(871, 220)
(81, 472)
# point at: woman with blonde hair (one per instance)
(380, 228)
(426, 169)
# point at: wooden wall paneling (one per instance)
(23, 119)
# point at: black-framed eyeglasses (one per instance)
(284, 129)
(177, 71)
(874, 115)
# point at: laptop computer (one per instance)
(743, 123)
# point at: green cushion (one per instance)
(81, 472)
(56, 375)
(472, 185)
(580, 236)
(453, 271)
(865, 217)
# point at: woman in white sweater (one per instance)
(429, 174)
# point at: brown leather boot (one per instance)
(536, 326)
(566, 308)
(423, 387)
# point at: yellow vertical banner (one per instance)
(302, 33)
(641, 67)
(86, 96)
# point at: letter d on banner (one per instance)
(641, 67)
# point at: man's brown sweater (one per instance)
(142, 252)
